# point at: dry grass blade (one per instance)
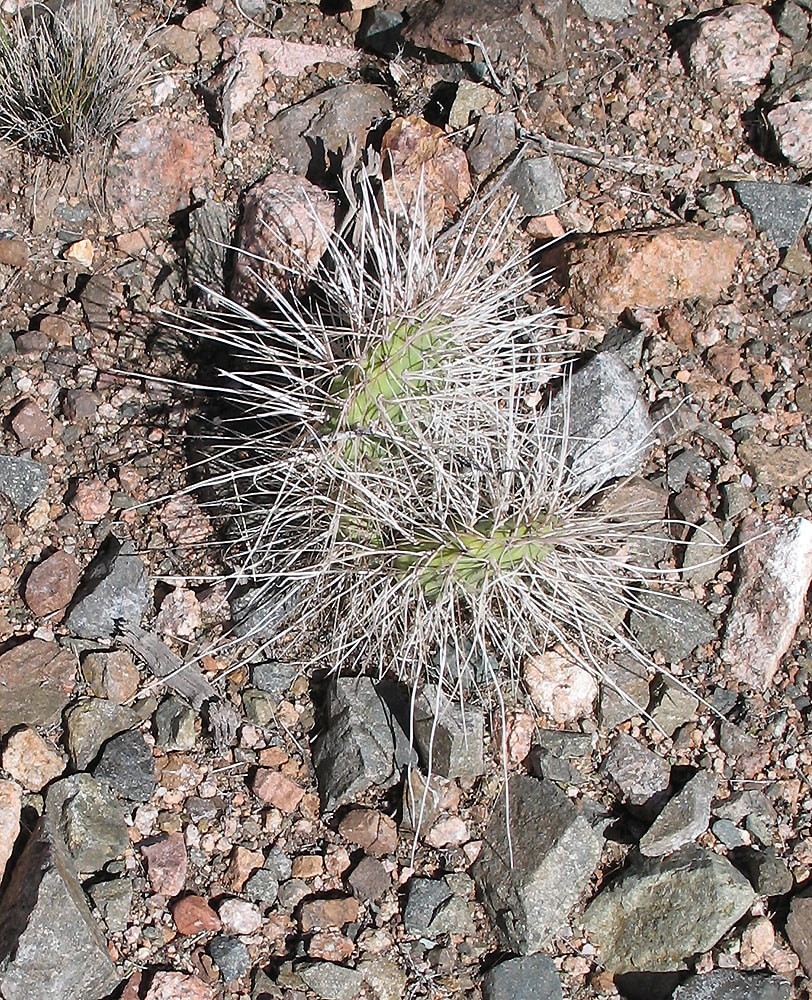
(68, 77)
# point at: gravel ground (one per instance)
(641, 134)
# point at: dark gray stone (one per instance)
(306, 136)
(89, 723)
(452, 744)
(230, 956)
(278, 864)
(554, 853)
(274, 676)
(609, 432)
(755, 809)
(127, 765)
(494, 139)
(729, 834)
(434, 908)
(768, 874)
(661, 912)
(175, 725)
(539, 186)
(207, 245)
(113, 899)
(114, 589)
(728, 984)
(21, 480)
(262, 887)
(330, 981)
(50, 945)
(624, 690)
(380, 31)
(683, 819)
(778, 210)
(673, 625)
(364, 745)
(89, 821)
(642, 776)
(533, 977)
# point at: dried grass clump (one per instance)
(395, 484)
(68, 77)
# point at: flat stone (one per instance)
(683, 819)
(50, 945)
(674, 626)
(274, 676)
(262, 887)
(127, 765)
(274, 789)
(30, 760)
(603, 422)
(306, 136)
(642, 776)
(648, 268)
(672, 706)
(469, 101)
(778, 210)
(364, 745)
(22, 481)
(768, 874)
(729, 984)
(175, 725)
(230, 956)
(89, 723)
(433, 908)
(661, 912)
(732, 49)
(624, 691)
(113, 899)
(51, 584)
(37, 679)
(533, 977)
(450, 742)
(494, 139)
(371, 830)
(539, 186)
(112, 675)
(555, 851)
(775, 571)
(330, 981)
(89, 821)
(11, 797)
(114, 589)
(799, 928)
(321, 914)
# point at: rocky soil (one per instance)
(228, 829)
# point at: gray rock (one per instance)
(687, 462)
(274, 676)
(434, 908)
(21, 480)
(369, 880)
(175, 725)
(278, 864)
(50, 945)
(609, 431)
(683, 819)
(532, 977)
(768, 874)
(331, 981)
(624, 690)
(606, 10)
(113, 899)
(539, 185)
(662, 912)
(88, 820)
(89, 723)
(262, 887)
(551, 753)
(306, 136)
(207, 245)
(641, 775)
(364, 744)
(728, 984)
(799, 928)
(127, 765)
(258, 706)
(778, 210)
(230, 956)
(672, 706)
(555, 851)
(702, 555)
(452, 744)
(380, 31)
(494, 139)
(673, 625)
(114, 589)
(469, 101)
(729, 834)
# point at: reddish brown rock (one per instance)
(242, 864)
(113, 675)
(775, 571)
(10, 805)
(370, 829)
(166, 864)
(286, 225)
(321, 914)
(36, 680)
(30, 424)
(14, 252)
(425, 172)
(649, 268)
(274, 789)
(177, 986)
(330, 946)
(91, 500)
(776, 466)
(154, 166)
(51, 584)
(193, 915)
(30, 760)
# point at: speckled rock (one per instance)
(730, 984)
(21, 480)
(37, 679)
(733, 48)
(114, 589)
(89, 821)
(683, 819)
